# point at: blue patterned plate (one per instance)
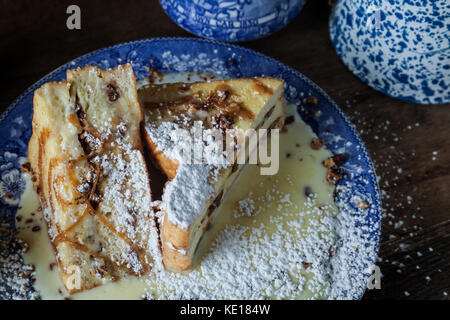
(232, 20)
(358, 228)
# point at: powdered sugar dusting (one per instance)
(164, 138)
(185, 196)
(194, 144)
(127, 191)
(257, 263)
(17, 276)
(246, 208)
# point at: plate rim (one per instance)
(363, 151)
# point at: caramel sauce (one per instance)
(111, 227)
(55, 182)
(63, 235)
(73, 119)
(261, 88)
(45, 134)
(172, 105)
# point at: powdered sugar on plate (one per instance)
(18, 276)
(261, 263)
(246, 207)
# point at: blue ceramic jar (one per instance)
(232, 20)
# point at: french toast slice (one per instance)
(89, 171)
(196, 188)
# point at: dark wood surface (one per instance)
(400, 136)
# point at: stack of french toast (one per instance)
(95, 140)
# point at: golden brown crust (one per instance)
(175, 244)
(178, 237)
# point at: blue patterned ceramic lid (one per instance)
(232, 20)
(401, 48)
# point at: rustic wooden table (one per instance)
(409, 143)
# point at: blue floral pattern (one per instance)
(401, 48)
(232, 20)
(12, 186)
(185, 54)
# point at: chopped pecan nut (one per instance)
(362, 205)
(29, 269)
(101, 271)
(334, 175)
(329, 163)
(316, 144)
(95, 199)
(306, 265)
(339, 159)
(26, 167)
(312, 100)
(334, 161)
(222, 95)
(222, 122)
(203, 106)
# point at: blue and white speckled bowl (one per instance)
(232, 20)
(398, 47)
